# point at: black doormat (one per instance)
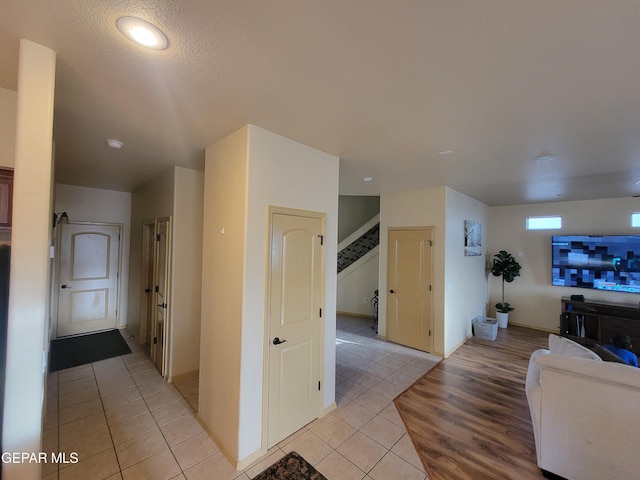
(74, 351)
(290, 467)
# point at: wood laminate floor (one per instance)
(468, 417)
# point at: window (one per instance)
(635, 219)
(544, 223)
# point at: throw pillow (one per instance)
(564, 346)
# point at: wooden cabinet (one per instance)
(591, 322)
(6, 197)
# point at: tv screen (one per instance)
(601, 262)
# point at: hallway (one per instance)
(125, 422)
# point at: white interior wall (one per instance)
(417, 208)
(107, 206)
(186, 274)
(359, 283)
(465, 276)
(29, 297)
(246, 173)
(178, 193)
(287, 174)
(154, 200)
(356, 286)
(459, 282)
(223, 258)
(354, 211)
(8, 109)
(536, 301)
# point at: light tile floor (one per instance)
(125, 422)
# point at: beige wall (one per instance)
(417, 208)
(284, 173)
(29, 297)
(154, 200)
(245, 173)
(459, 282)
(537, 302)
(357, 284)
(178, 194)
(466, 291)
(223, 260)
(95, 205)
(186, 272)
(8, 105)
(354, 211)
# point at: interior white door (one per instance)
(161, 324)
(409, 288)
(147, 294)
(296, 277)
(88, 278)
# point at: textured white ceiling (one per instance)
(383, 85)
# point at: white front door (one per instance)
(294, 327)
(89, 257)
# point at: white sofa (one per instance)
(585, 413)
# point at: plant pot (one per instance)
(503, 319)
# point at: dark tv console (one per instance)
(593, 322)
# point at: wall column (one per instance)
(29, 295)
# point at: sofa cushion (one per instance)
(564, 346)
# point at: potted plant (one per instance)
(505, 266)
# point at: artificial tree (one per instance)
(505, 265)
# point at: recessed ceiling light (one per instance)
(142, 32)
(637, 182)
(446, 152)
(367, 179)
(117, 144)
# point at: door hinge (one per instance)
(318, 385)
(431, 243)
(429, 332)
(157, 288)
(320, 313)
(321, 239)
(157, 237)
(429, 287)
(155, 340)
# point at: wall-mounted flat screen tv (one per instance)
(601, 262)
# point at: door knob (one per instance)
(162, 305)
(392, 291)
(277, 341)
(64, 286)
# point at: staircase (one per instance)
(358, 269)
(359, 247)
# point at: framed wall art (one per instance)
(472, 238)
